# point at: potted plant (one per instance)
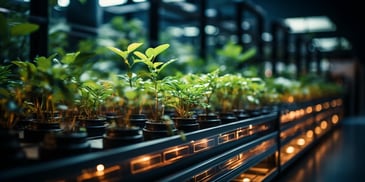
(43, 88)
(122, 132)
(92, 94)
(184, 95)
(253, 98)
(73, 140)
(225, 95)
(160, 125)
(133, 82)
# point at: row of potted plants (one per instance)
(62, 101)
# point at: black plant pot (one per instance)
(208, 120)
(138, 120)
(62, 145)
(113, 118)
(36, 131)
(186, 124)
(254, 112)
(23, 123)
(11, 153)
(241, 114)
(267, 109)
(153, 130)
(121, 136)
(94, 127)
(227, 117)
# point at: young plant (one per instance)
(154, 70)
(254, 93)
(128, 60)
(133, 92)
(45, 85)
(209, 82)
(228, 92)
(183, 94)
(92, 97)
(233, 57)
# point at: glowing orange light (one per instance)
(324, 124)
(100, 170)
(292, 114)
(100, 167)
(246, 179)
(302, 112)
(317, 130)
(309, 109)
(300, 141)
(318, 107)
(335, 119)
(289, 149)
(309, 134)
(290, 99)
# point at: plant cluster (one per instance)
(69, 85)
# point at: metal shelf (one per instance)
(151, 159)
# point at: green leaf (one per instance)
(69, 58)
(150, 52)
(167, 63)
(43, 63)
(157, 64)
(140, 55)
(121, 53)
(23, 29)
(83, 57)
(161, 48)
(133, 47)
(248, 54)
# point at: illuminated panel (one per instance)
(176, 153)
(242, 132)
(205, 175)
(203, 144)
(235, 161)
(262, 127)
(232, 162)
(226, 137)
(145, 163)
(99, 171)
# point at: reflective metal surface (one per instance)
(340, 156)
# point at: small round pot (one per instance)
(62, 145)
(36, 130)
(227, 117)
(154, 130)
(186, 124)
(138, 120)
(94, 127)
(122, 136)
(208, 120)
